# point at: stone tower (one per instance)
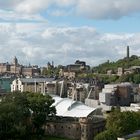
(15, 61)
(127, 52)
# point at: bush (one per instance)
(106, 135)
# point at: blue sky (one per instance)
(38, 31)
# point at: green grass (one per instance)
(54, 138)
(135, 138)
(48, 138)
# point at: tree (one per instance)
(41, 108)
(106, 135)
(120, 124)
(14, 113)
(24, 114)
(136, 78)
(123, 123)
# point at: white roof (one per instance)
(68, 108)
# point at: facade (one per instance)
(75, 128)
(71, 70)
(30, 71)
(4, 67)
(42, 85)
(17, 69)
(30, 84)
(78, 91)
(120, 71)
(116, 94)
(5, 85)
(133, 69)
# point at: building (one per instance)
(71, 70)
(78, 91)
(4, 67)
(30, 71)
(42, 85)
(75, 120)
(67, 74)
(30, 84)
(116, 94)
(18, 70)
(5, 85)
(120, 71)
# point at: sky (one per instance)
(63, 31)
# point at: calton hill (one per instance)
(123, 70)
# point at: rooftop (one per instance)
(68, 108)
(32, 80)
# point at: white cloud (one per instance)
(8, 4)
(107, 9)
(94, 9)
(14, 16)
(38, 44)
(31, 7)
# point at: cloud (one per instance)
(12, 16)
(38, 44)
(32, 7)
(107, 9)
(93, 9)
(8, 4)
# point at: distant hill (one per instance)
(124, 63)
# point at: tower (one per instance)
(15, 61)
(127, 52)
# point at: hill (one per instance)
(124, 63)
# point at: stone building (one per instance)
(116, 94)
(30, 84)
(4, 67)
(71, 70)
(42, 85)
(74, 120)
(30, 71)
(78, 91)
(18, 69)
(75, 128)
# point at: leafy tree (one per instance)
(123, 123)
(120, 124)
(106, 135)
(14, 114)
(24, 114)
(136, 78)
(41, 108)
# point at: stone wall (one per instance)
(75, 129)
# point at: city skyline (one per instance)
(67, 30)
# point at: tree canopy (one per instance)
(24, 114)
(120, 124)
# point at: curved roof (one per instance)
(68, 108)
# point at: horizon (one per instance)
(44, 65)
